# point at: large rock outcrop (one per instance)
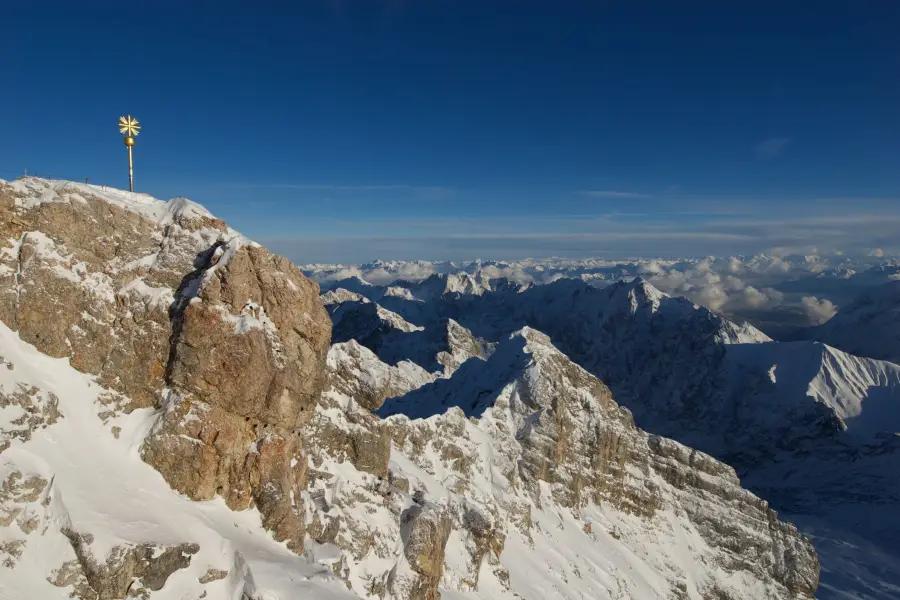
(173, 310)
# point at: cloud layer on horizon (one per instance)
(795, 290)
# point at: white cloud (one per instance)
(734, 283)
(765, 298)
(817, 310)
(735, 265)
(512, 273)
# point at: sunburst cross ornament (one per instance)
(130, 128)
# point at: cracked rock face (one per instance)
(252, 339)
(171, 309)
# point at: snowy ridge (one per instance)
(523, 528)
(862, 394)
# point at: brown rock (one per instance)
(281, 469)
(153, 297)
(212, 575)
(426, 540)
(254, 340)
(358, 437)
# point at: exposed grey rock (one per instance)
(213, 575)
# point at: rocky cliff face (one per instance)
(140, 338)
(173, 310)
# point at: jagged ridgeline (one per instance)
(176, 425)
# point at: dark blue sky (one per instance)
(448, 129)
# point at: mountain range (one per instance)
(185, 416)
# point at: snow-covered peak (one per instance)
(339, 295)
(465, 283)
(636, 295)
(475, 384)
(810, 381)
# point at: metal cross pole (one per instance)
(129, 126)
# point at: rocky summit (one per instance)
(175, 423)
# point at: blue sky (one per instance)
(342, 130)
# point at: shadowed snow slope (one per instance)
(869, 326)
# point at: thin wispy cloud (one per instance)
(614, 194)
(570, 235)
(772, 147)
(330, 187)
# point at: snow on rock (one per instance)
(395, 340)
(354, 370)
(174, 425)
(31, 192)
(339, 295)
(461, 346)
(812, 384)
(812, 429)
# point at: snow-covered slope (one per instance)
(689, 373)
(76, 496)
(34, 192)
(869, 326)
